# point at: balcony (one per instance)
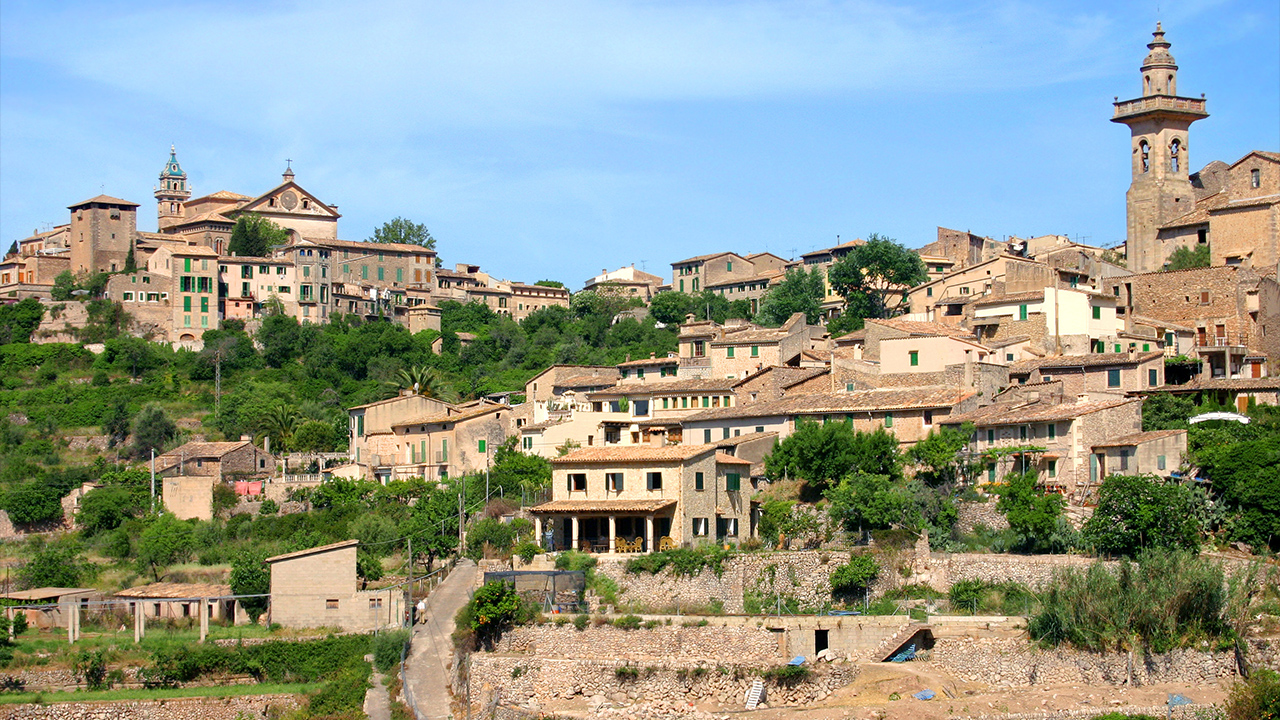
(1170, 104)
(1229, 340)
(695, 362)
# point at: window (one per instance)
(1146, 347)
(848, 387)
(244, 289)
(482, 446)
(1113, 377)
(991, 436)
(726, 527)
(928, 292)
(186, 303)
(928, 417)
(186, 284)
(640, 373)
(706, 401)
(728, 353)
(1124, 459)
(364, 272)
(684, 402)
(700, 527)
(1204, 297)
(1097, 312)
(698, 481)
(653, 480)
(526, 443)
(755, 351)
(577, 482)
(1022, 432)
(186, 264)
(1160, 462)
(991, 472)
(665, 402)
(375, 603)
(1153, 377)
(127, 296)
(1175, 155)
(331, 604)
(204, 304)
(733, 482)
(760, 428)
(381, 273)
(728, 266)
(204, 284)
(1145, 149)
(625, 372)
(1053, 430)
(1008, 357)
(706, 435)
(915, 357)
(1053, 468)
(613, 482)
(1117, 347)
(1255, 178)
(1022, 312)
(399, 274)
(888, 420)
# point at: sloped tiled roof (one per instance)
(926, 329)
(176, 591)
(602, 506)
(1089, 360)
(1014, 414)
(585, 381)
(454, 417)
(847, 402)
(749, 437)
(314, 550)
(663, 388)
(1003, 299)
(1139, 438)
(647, 362)
(633, 453)
(1264, 383)
(104, 199)
(193, 450)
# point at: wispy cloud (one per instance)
(413, 65)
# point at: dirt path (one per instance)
(376, 703)
(427, 667)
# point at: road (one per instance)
(427, 668)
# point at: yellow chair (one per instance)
(666, 543)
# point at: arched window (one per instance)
(1146, 155)
(1175, 148)
(1146, 84)
(1170, 88)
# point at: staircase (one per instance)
(755, 693)
(891, 646)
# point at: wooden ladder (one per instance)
(755, 693)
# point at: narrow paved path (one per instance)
(427, 667)
(377, 705)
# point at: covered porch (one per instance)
(605, 526)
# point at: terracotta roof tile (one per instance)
(104, 199)
(846, 402)
(585, 381)
(1141, 437)
(926, 329)
(452, 417)
(749, 437)
(646, 362)
(633, 453)
(673, 386)
(1089, 360)
(1007, 298)
(602, 506)
(176, 591)
(1013, 414)
(314, 550)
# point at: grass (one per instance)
(45, 648)
(161, 693)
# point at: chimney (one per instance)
(245, 437)
(653, 355)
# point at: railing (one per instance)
(1159, 102)
(703, 361)
(1228, 340)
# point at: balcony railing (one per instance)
(699, 362)
(1160, 102)
(1223, 341)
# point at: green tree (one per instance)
(63, 285)
(407, 232)
(167, 540)
(18, 322)
(421, 379)
(251, 576)
(671, 308)
(33, 502)
(1032, 513)
(55, 565)
(130, 262)
(106, 508)
(799, 292)
(368, 567)
(821, 453)
(515, 471)
(866, 501)
(1246, 478)
(116, 425)
(492, 610)
(152, 429)
(433, 523)
(1166, 411)
(854, 576)
(873, 277)
(550, 284)
(941, 459)
(314, 436)
(253, 236)
(13, 249)
(281, 337)
(1136, 512)
(279, 423)
(1184, 258)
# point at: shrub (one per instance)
(788, 675)
(854, 576)
(626, 672)
(575, 561)
(580, 622)
(1258, 698)
(91, 668)
(627, 622)
(527, 551)
(387, 647)
(269, 507)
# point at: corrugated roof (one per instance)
(633, 453)
(1139, 438)
(314, 550)
(602, 506)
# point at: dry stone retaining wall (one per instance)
(971, 514)
(227, 708)
(669, 643)
(533, 681)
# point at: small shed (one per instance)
(46, 604)
(181, 600)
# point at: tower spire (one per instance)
(171, 192)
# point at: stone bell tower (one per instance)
(1159, 123)
(171, 192)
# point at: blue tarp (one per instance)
(924, 695)
(797, 660)
(1175, 700)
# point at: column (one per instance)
(68, 615)
(139, 622)
(613, 533)
(204, 618)
(648, 534)
(537, 530)
(574, 520)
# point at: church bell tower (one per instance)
(1159, 123)
(171, 192)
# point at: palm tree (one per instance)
(421, 379)
(279, 423)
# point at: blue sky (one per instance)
(554, 139)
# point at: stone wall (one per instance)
(1015, 663)
(942, 570)
(970, 514)
(533, 681)
(671, 643)
(223, 708)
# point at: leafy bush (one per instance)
(269, 507)
(1137, 512)
(980, 596)
(580, 622)
(854, 576)
(575, 561)
(387, 647)
(683, 561)
(1257, 698)
(787, 675)
(627, 622)
(526, 551)
(91, 668)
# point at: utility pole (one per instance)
(460, 521)
(153, 479)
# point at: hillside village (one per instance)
(644, 498)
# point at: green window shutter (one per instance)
(444, 449)
(991, 436)
(726, 434)
(399, 274)
(1117, 347)
(755, 351)
(915, 358)
(848, 387)
(186, 264)
(991, 473)
(888, 420)
(728, 353)
(1053, 430)
(1053, 468)
(640, 373)
(732, 482)
(381, 273)
(706, 435)
(186, 303)
(422, 451)
(364, 272)
(706, 401)
(1022, 312)
(481, 446)
(1097, 313)
(681, 286)
(204, 304)
(684, 402)
(1146, 347)
(664, 403)
(697, 481)
(1153, 377)
(360, 426)
(1113, 378)
(728, 266)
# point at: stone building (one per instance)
(1096, 374)
(451, 443)
(317, 587)
(648, 497)
(237, 460)
(739, 348)
(370, 424)
(626, 282)
(961, 248)
(176, 601)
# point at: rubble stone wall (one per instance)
(223, 708)
(670, 642)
